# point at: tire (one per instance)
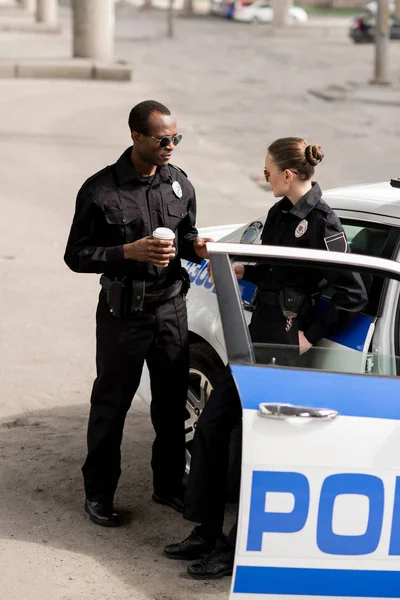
(205, 371)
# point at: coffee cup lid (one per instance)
(163, 233)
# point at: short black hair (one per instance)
(140, 114)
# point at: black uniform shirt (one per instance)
(310, 223)
(118, 206)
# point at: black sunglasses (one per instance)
(165, 141)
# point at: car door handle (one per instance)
(284, 411)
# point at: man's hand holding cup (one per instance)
(157, 249)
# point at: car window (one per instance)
(336, 359)
(368, 239)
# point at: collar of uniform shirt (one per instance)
(126, 172)
(306, 204)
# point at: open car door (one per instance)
(319, 511)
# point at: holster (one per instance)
(116, 295)
(185, 282)
(291, 301)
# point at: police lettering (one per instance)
(356, 484)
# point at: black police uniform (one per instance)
(311, 223)
(118, 206)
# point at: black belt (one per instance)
(139, 296)
(274, 299)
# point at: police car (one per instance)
(370, 215)
(319, 511)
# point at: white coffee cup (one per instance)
(163, 233)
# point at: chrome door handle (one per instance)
(284, 411)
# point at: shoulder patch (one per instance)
(336, 242)
(178, 169)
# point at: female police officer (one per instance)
(300, 219)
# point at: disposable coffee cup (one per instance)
(163, 233)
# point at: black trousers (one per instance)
(207, 485)
(158, 335)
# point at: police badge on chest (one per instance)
(301, 228)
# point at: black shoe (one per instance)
(216, 565)
(191, 548)
(175, 502)
(102, 514)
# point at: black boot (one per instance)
(191, 548)
(102, 513)
(215, 565)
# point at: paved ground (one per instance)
(234, 88)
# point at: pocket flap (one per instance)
(177, 210)
(117, 216)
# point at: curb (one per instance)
(30, 27)
(347, 96)
(65, 69)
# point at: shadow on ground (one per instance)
(41, 498)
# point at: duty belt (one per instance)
(137, 294)
(287, 300)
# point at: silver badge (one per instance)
(301, 228)
(176, 186)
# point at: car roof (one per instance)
(375, 198)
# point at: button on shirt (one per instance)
(118, 206)
(311, 223)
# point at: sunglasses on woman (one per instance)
(267, 174)
(165, 141)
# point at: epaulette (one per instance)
(98, 174)
(178, 169)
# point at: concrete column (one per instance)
(188, 7)
(29, 5)
(94, 29)
(47, 12)
(281, 12)
(397, 11)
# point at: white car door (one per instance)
(320, 491)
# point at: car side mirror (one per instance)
(252, 233)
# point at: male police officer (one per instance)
(141, 313)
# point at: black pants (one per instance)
(160, 336)
(207, 484)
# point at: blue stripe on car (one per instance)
(366, 395)
(317, 582)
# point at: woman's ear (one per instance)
(288, 176)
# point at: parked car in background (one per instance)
(261, 11)
(362, 28)
(227, 9)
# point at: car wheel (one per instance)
(205, 370)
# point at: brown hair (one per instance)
(297, 155)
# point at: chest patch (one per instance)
(176, 187)
(301, 228)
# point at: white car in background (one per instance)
(370, 215)
(261, 11)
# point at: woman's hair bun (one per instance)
(314, 154)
